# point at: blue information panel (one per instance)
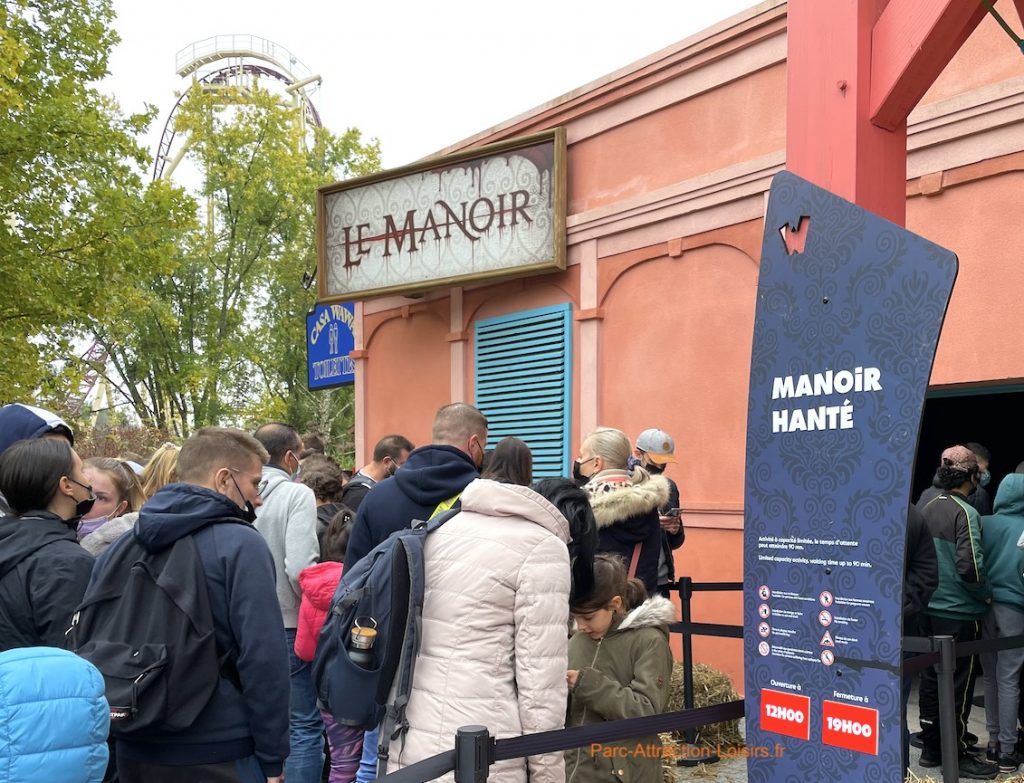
(329, 341)
(844, 339)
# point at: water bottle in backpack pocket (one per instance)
(380, 598)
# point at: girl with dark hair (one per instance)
(119, 497)
(45, 572)
(495, 609)
(620, 665)
(510, 463)
(318, 583)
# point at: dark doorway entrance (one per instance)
(992, 418)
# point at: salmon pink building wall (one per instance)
(669, 162)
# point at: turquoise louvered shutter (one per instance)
(524, 382)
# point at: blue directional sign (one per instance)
(844, 339)
(329, 341)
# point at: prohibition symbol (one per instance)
(826, 598)
(764, 611)
(764, 629)
(828, 657)
(764, 648)
(825, 617)
(764, 593)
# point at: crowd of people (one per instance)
(542, 598)
(969, 579)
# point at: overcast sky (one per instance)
(418, 76)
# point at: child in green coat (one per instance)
(619, 667)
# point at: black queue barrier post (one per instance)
(685, 595)
(948, 723)
(474, 754)
(686, 587)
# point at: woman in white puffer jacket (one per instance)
(494, 648)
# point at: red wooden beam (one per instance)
(830, 139)
(911, 43)
(1020, 9)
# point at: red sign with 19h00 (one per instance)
(850, 727)
(785, 713)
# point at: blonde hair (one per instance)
(162, 469)
(610, 444)
(122, 477)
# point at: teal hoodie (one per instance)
(1000, 533)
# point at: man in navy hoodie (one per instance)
(242, 734)
(430, 480)
(431, 476)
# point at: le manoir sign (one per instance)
(489, 212)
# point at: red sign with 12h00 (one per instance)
(785, 713)
(850, 727)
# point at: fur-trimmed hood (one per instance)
(655, 612)
(615, 501)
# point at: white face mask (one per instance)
(294, 476)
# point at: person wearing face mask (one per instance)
(625, 502)
(960, 602)
(242, 732)
(287, 519)
(118, 499)
(431, 480)
(43, 571)
(981, 498)
(654, 451)
(390, 453)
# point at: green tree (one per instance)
(79, 227)
(223, 340)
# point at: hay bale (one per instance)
(710, 686)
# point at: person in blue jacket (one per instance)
(241, 736)
(54, 717)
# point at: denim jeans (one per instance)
(305, 761)
(368, 763)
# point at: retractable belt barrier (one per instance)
(573, 737)
(927, 649)
(930, 655)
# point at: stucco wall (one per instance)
(666, 190)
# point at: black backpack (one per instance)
(146, 624)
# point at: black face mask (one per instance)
(651, 467)
(577, 474)
(83, 507)
(249, 512)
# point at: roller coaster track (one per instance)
(276, 62)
